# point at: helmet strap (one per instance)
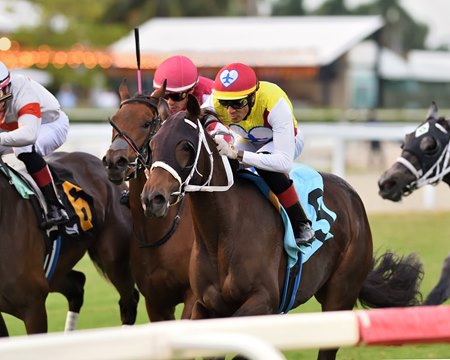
(251, 102)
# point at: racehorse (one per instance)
(23, 283)
(238, 265)
(163, 248)
(424, 160)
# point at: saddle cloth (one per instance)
(309, 186)
(79, 205)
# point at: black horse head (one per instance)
(423, 160)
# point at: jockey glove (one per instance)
(225, 148)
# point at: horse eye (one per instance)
(187, 146)
(429, 146)
(186, 154)
(147, 124)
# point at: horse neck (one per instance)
(147, 228)
(214, 206)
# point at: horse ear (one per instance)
(159, 93)
(433, 111)
(193, 107)
(123, 90)
(163, 109)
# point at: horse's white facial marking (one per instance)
(422, 129)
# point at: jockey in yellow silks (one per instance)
(262, 116)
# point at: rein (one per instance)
(185, 186)
(169, 234)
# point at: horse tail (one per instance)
(393, 281)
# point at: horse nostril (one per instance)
(154, 203)
(159, 200)
(122, 163)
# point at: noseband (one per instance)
(142, 153)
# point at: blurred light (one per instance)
(5, 43)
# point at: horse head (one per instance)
(134, 124)
(183, 156)
(424, 158)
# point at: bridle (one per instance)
(143, 159)
(437, 169)
(185, 186)
(142, 153)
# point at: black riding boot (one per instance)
(303, 232)
(56, 213)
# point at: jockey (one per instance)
(182, 78)
(32, 126)
(262, 115)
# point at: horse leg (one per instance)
(3, 329)
(116, 266)
(189, 302)
(33, 312)
(120, 276)
(336, 296)
(159, 310)
(441, 292)
(199, 311)
(72, 287)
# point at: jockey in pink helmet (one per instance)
(32, 125)
(182, 78)
(262, 115)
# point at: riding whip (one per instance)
(138, 59)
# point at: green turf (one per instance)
(426, 234)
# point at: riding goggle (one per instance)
(4, 93)
(235, 104)
(176, 96)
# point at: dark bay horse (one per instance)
(162, 251)
(238, 264)
(424, 160)
(23, 284)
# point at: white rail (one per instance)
(340, 133)
(257, 337)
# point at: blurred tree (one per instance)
(65, 23)
(288, 7)
(333, 7)
(135, 12)
(401, 32)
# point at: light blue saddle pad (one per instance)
(309, 186)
